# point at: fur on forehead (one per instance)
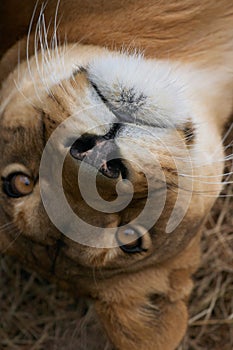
(138, 90)
(151, 91)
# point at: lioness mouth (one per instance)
(101, 152)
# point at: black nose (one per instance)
(100, 152)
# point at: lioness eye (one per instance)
(17, 185)
(129, 240)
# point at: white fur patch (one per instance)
(141, 90)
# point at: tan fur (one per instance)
(141, 300)
(148, 25)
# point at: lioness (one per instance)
(110, 135)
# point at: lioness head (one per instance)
(108, 165)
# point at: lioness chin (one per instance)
(110, 163)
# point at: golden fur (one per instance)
(140, 298)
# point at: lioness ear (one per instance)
(146, 310)
(143, 322)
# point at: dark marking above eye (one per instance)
(127, 106)
(99, 93)
(189, 133)
(79, 70)
(128, 101)
(131, 98)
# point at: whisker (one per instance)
(94, 276)
(13, 241)
(212, 182)
(228, 132)
(56, 25)
(18, 62)
(7, 225)
(204, 193)
(205, 176)
(45, 54)
(28, 47)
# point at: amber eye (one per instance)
(17, 185)
(129, 240)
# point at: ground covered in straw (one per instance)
(34, 315)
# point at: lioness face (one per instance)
(104, 164)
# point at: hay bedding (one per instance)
(34, 315)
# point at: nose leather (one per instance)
(99, 152)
